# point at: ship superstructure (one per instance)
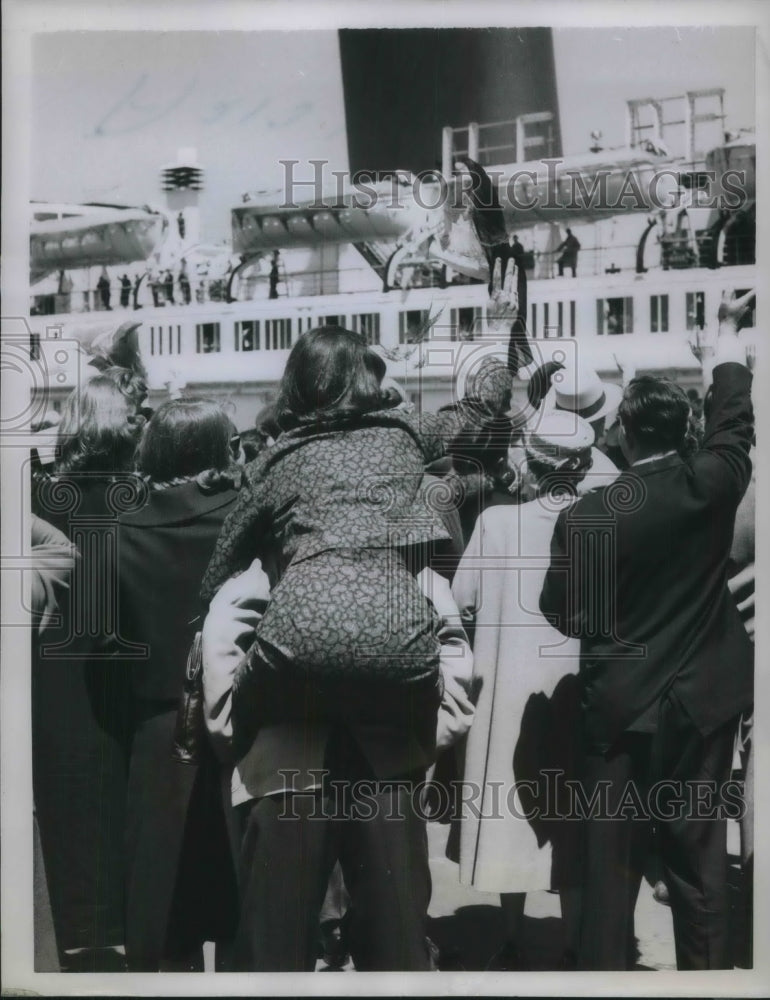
(662, 235)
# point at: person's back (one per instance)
(164, 550)
(664, 615)
(334, 509)
(175, 830)
(350, 486)
(342, 531)
(187, 460)
(639, 573)
(80, 705)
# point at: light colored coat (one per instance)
(527, 712)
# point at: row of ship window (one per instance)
(554, 319)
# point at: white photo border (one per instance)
(24, 18)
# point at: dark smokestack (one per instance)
(402, 86)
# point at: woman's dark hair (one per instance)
(330, 373)
(187, 437)
(99, 428)
(655, 413)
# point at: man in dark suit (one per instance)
(639, 573)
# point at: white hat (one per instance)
(557, 435)
(582, 392)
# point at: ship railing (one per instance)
(609, 259)
(524, 138)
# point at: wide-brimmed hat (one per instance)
(581, 391)
(557, 435)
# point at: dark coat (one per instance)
(660, 616)
(164, 549)
(180, 888)
(81, 722)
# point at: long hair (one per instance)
(330, 373)
(188, 438)
(99, 428)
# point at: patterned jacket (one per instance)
(352, 484)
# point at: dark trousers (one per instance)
(692, 843)
(46, 954)
(290, 846)
(80, 753)
(180, 873)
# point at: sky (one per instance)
(109, 109)
(599, 69)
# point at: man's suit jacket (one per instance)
(639, 573)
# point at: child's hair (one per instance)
(330, 373)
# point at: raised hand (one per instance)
(503, 305)
(713, 349)
(507, 307)
(703, 346)
(732, 309)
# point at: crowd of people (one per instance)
(253, 679)
(157, 287)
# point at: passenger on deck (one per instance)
(570, 247)
(125, 291)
